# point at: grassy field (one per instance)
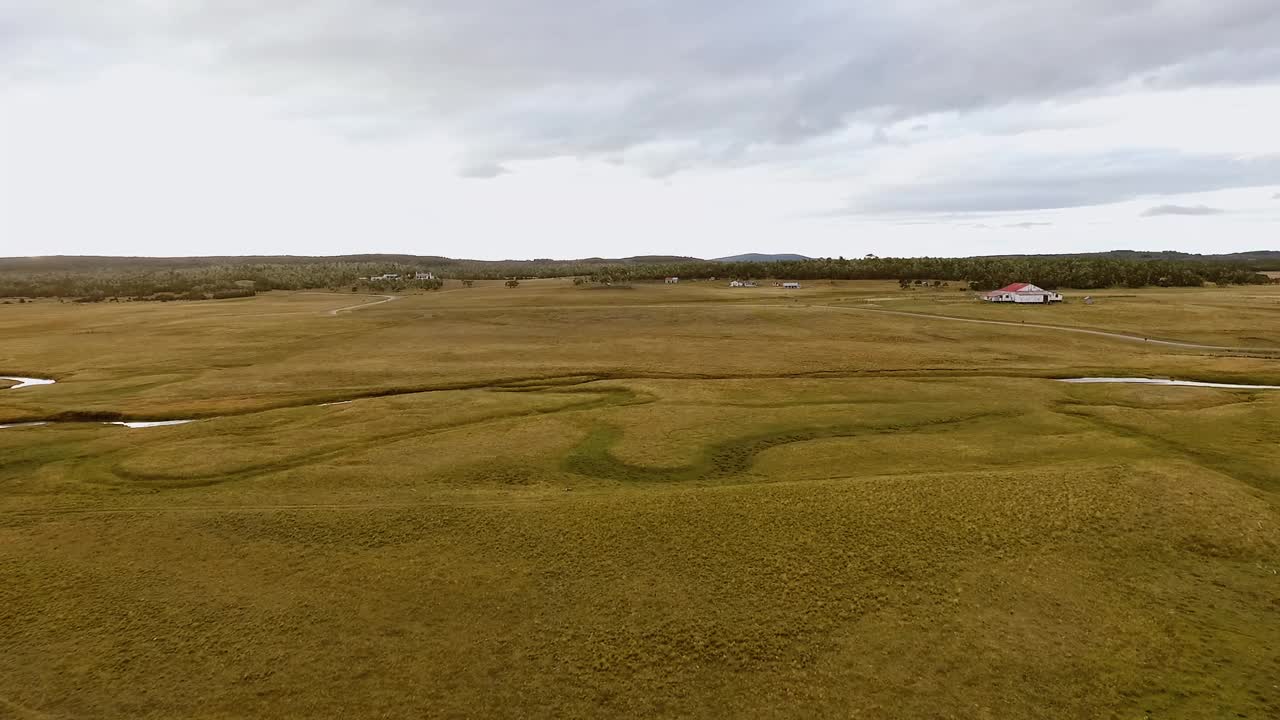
(1240, 317)
(688, 501)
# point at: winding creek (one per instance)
(26, 382)
(1164, 381)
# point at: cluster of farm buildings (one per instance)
(395, 277)
(1021, 293)
(744, 283)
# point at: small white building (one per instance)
(424, 276)
(388, 276)
(673, 280)
(791, 285)
(1022, 293)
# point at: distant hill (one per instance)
(456, 267)
(661, 259)
(90, 263)
(761, 257)
(74, 263)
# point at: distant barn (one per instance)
(1022, 293)
(673, 280)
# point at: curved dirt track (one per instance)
(1064, 328)
(926, 316)
(385, 299)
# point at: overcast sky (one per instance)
(572, 128)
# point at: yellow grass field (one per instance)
(658, 501)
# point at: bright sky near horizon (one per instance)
(572, 128)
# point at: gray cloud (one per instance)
(666, 85)
(482, 170)
(1053, 182)
(1181, 210)
(582, 77)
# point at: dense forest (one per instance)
(979, 273)
(88, 278)
(1256, 259)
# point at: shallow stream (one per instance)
(26, 382)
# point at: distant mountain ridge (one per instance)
(763, 257)
(79, 263)
(1256, 259)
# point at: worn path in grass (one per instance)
(385, 299)
(1063, 328)
(798, 304)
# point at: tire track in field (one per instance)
(1221, 462)
(22, 712)
(594, 457)
(1061, 328)
(349, 308)
(748, 305)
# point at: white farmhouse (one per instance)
(1022, 293)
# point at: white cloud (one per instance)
(573, 128)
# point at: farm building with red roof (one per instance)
(1023, 293)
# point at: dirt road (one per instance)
(1064, 328)
(385, 299)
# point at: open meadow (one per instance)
(655, 501)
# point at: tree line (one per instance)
(145, 281)
(978, 273)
